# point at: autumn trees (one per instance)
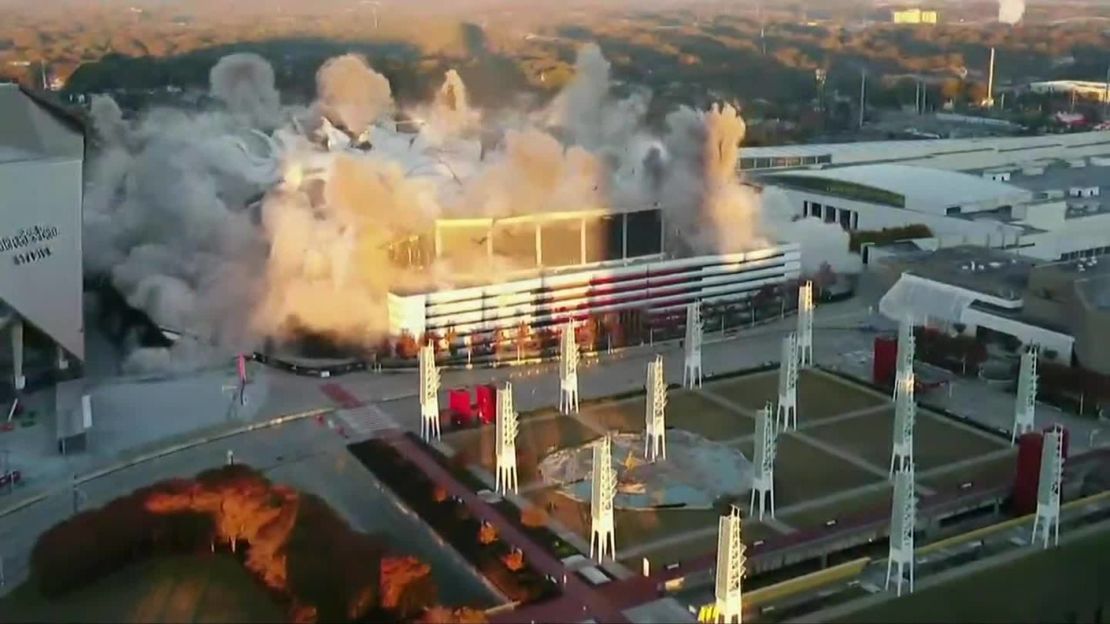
(293, 542)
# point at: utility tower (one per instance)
(506, 441)
(905, 413)
(429, 394)
(903, 517)
(788, 384)
(805, 324)
(604, 488)
(1025, 404)
(568, 370)
(763, 483)
(691, 371)
(730, 569)
(1047, 519)
(655, 436)
(906, 348)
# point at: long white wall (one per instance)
(651, 286)
(950, 230)
(1082, 234)
(1062, 344)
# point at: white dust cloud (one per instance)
(255, 220)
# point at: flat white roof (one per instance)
(1002, 149)
(29, 131)
(925, 189)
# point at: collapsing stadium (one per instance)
(608, 268)
(352, 227)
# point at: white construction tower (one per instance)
(903, 518)
(506, 480)
(763, 482)
(1025, 404)
(788, 384)
(655, 431)
(905, 413)
(568, 370)
(691, 371)
(429, 394)
(906, 349)
(604, 488)
(1047, 520)
(730, 569)
(805, 324)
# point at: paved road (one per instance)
(306, 455)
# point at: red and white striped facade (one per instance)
(545, 299)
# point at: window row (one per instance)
(848, 219)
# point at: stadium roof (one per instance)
(32, 127)
(920, 189)
(957, 154)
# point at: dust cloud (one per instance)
(254, 220)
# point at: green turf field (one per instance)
(1066, 584)
(835, 466)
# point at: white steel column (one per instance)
(805, 324)
(1047, 520)
(691, 371)
(655, 429)
(905, 413)
(906, 349)
(603, 489)
(1025, 404)
(506, 480)
(788, 384)
(903, 518)
(729, 606)
(429, 394)
(18, 380)
(568, 370)
(763, 482)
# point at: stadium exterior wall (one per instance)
(652, 287)
(40, 246)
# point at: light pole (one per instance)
(78, 496)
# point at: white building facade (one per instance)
(41, 161)
(651, 286)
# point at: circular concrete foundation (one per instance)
(695, 473)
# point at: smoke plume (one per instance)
(1011, 11)
(351, 94)
(256, 220)
(245, 84)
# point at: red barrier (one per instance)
(487, 403)
(458, 401)
(884, 361)
(1028, 474)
